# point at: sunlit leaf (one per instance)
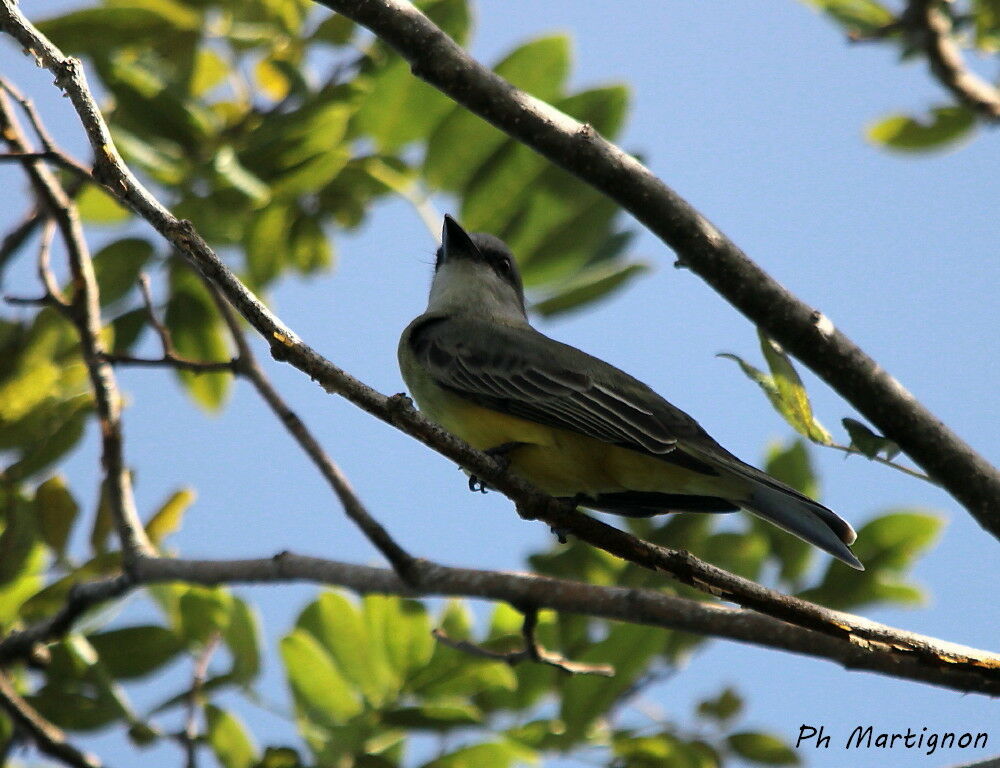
(228, 739)
(97, 207)
(792, 396)
(944, 127)
(319, 689)
(168, 517)
(204, 612)
(242, 635)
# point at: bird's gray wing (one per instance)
(524, 373)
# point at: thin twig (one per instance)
(50, 740)
(851, 451)
(532, 651)
(173, 361)
(50, 156)
(45, 274)
(166, 342)
(194, 703)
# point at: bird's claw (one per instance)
(475, 484)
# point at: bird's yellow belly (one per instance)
(561, 462)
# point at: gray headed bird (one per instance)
(570, 424)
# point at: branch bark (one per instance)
(397, 410)
(85, 313)
(934, 31)
(969, 670)
(801, 329)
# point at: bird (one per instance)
(570, 424)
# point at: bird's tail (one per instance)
(804, 518)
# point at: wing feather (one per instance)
(521, 372)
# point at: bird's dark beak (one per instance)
(455, 241)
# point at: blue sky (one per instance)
(755, 113)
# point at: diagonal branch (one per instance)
(802, 330)
(50, 740)
(398, 411)
(85, 314)
(934, 31)
(401, 560)
(971, 670)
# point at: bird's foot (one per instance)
(560, 534)
(501, 455)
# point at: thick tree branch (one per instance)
(50, 740)
(932, 28)
(972, 670)
(85, 313)
(802, 330)
(285, 345)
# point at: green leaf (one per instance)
(795, 405)
(96, 30)
(127, 328)
(197, 333)
(299, 152)
(762, 748)
(888, 546)
(859, 16)
(335, 29)
(117, 267)
(228, 739)
(168, 517)
(204, 611)
(944, 127)
(585, 698)
(434, 715)
(231, 173)
(868, 442)
(135, 652)
(462, 142)
(242, 636)
(742, 553)
(18, 538)
(321, 693)
(727, 705)
(210, 70)
(310, 248)
(98, 207)
(987, 17)
(490, 755)
(451, 16)
(589, 286)
(399, 109)
(360, 656)
(55, 512)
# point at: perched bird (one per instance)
(570, 424)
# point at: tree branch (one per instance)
(50, 740)
(966, 669)
(398, 411)
(933, 30)
(802, 330)
(84, 311)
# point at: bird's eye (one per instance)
(505, 265)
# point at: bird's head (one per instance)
(476, 274)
